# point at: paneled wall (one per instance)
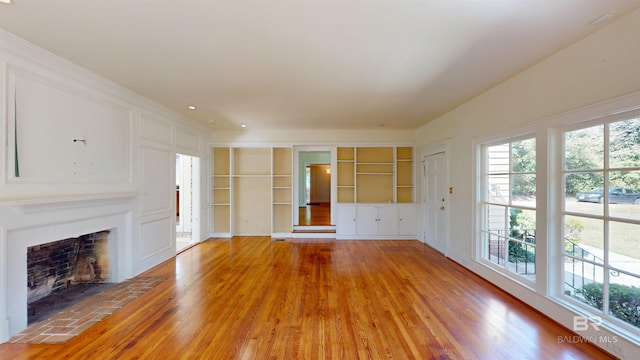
(84, 153)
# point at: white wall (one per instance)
(602, 66)
(303, 137)
(121, 176)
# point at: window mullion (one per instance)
(606, 175)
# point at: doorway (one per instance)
(187, 204)
(434, 200)
(317, 210)
(314, 194)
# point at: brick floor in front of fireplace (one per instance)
(72, 321)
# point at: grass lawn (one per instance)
(624, 237)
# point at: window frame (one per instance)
(483, 174)
(605, 218)
(549, 133)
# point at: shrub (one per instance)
(624, 301)
(523, 227)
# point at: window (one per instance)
(508, 204)
(601, 219)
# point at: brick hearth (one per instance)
(77, 318)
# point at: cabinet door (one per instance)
(388, 220)
(346, 220)
(407, 220)
(367, 220)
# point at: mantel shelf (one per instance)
(35, 205)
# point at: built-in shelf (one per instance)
(282, 190)
(375, 174)
(221, 191)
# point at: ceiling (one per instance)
(307, 64)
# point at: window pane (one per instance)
(624, 246)
(496, 248)
(496, 219)
(522, 259)
(583, 193)
(498, 189)
(524, 190)
(498, 159)
(624, 196)
(583, 281)
(624, 298)
(584, 238)
(584, 148)
(495, 237)
(522, 225)
(523, 156)
(624, 144)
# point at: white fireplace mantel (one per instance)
(35, 205)
(40, 220)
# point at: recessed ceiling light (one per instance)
(243, 126)
(191, 107)
(5, 1)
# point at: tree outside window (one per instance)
(509, 206)
(602, 219)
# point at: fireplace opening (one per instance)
(60, 273)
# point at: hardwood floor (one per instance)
(253, 298)
(315, 215)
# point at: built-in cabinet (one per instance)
(252, 191)
(371, 221)
(375, 192)
(376, 220)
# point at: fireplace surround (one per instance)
(51, 221)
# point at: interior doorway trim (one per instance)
(437, 148)
(297, 149)
(192, 183)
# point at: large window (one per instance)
(508, 203)
(601, 260)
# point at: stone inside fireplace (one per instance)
(61, 272)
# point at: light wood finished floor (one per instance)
(253, 298)
(315, 215)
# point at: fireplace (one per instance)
(56, 266)
(104, 224)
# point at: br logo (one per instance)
(582, 323)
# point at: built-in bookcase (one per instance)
(252, 190)
(404, 174)
(221, 190)
(375, 174)
(346, 178)
(281, 186)
(252, 187)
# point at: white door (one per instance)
(434, 201)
